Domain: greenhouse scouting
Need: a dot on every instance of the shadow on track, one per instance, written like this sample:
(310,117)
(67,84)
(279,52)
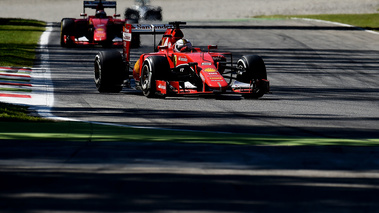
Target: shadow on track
(163,177)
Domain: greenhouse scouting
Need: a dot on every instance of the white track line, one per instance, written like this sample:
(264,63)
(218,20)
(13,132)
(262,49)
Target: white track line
(45,96)
(336,23)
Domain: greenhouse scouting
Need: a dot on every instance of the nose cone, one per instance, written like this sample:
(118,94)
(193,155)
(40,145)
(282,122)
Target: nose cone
(213,79)
(100,33)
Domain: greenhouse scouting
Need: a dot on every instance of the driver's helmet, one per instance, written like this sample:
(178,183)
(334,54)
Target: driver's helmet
(182,45)
(101,14)
(176,34)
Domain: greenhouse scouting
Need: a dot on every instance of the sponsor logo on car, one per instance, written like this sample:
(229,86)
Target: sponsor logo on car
(127,36)
(181,58)
(210,70)
(160,86)
(143,27)
(215,78)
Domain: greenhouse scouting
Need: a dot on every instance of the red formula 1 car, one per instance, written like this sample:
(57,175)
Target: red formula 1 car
(177,68)
(90,30)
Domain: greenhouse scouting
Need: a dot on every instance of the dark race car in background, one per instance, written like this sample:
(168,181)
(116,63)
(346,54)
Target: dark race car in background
(143,11)
(170,71)
(94,29)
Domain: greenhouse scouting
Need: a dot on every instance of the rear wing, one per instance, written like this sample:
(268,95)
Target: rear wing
(93,4)
(150,28)
(131,30)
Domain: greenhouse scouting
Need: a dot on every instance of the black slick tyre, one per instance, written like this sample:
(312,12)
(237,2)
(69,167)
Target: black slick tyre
(67,29)
(109,68)
(153,68)
(253,70)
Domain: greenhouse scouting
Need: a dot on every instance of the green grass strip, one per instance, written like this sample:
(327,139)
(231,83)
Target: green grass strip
(14,80)
(87,132)
(15,90)
(366,21)
(18,41)
(15,113)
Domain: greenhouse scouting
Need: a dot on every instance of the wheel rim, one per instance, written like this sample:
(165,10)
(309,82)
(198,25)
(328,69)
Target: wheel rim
(241,65)
(145,78)
(97,72)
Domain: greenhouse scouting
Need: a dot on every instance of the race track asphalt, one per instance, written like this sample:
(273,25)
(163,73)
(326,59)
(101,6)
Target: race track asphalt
(324,83)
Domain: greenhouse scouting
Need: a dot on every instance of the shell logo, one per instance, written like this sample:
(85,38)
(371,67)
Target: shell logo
(210,70)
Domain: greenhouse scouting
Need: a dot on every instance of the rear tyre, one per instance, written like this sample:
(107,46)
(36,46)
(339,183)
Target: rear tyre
(254,70)
(109,68)
(153,68)
(67,29)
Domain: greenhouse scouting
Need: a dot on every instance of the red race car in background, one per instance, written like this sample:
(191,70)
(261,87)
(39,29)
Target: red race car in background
(177,68)
(96,29)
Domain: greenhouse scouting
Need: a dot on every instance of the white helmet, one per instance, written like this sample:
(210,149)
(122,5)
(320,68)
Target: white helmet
(182,45)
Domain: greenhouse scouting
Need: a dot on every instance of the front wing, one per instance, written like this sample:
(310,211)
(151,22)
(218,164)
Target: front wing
(175,88)
(84,41)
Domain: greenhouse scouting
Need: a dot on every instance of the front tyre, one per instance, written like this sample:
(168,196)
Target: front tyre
(253,72)
(153,68)
(109,68)
(67,29)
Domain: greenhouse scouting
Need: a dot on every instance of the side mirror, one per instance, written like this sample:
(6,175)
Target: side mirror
(116,15)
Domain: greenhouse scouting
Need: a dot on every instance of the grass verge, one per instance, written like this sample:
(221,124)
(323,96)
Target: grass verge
(15,113)
(366,21)
(18,41)
(88,132)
